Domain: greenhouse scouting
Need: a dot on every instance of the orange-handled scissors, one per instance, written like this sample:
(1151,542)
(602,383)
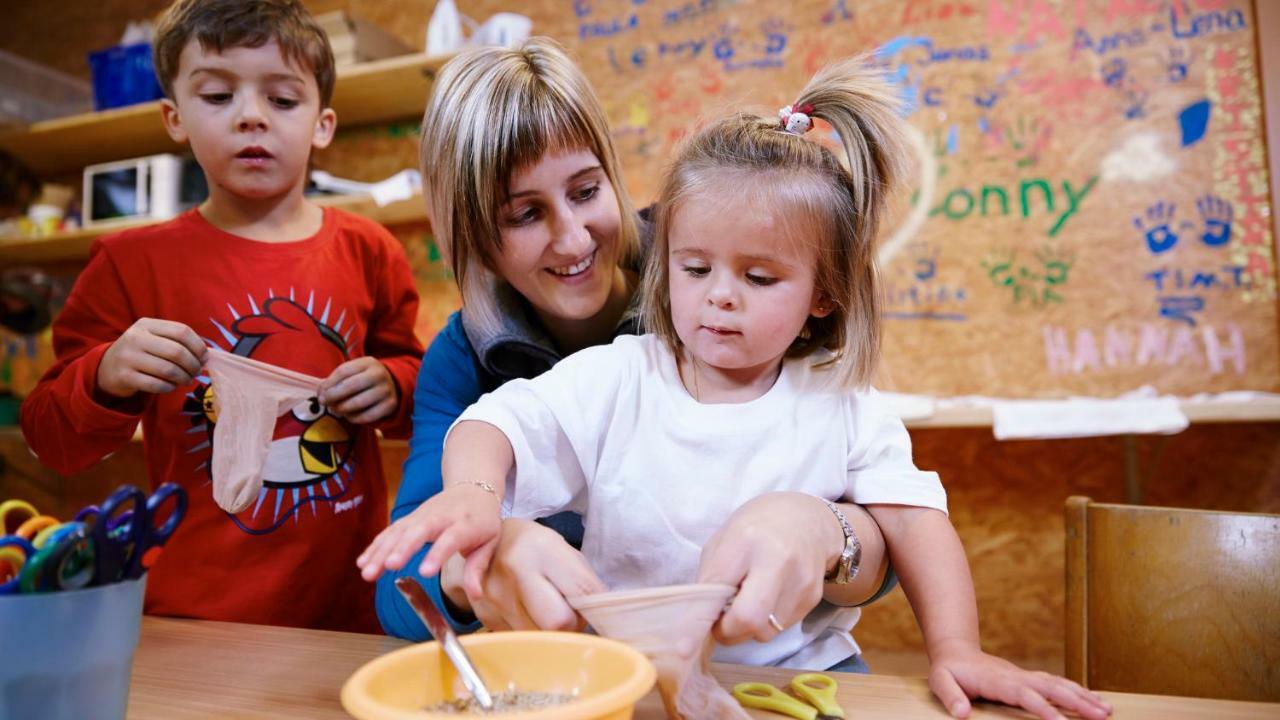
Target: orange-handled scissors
(817,690)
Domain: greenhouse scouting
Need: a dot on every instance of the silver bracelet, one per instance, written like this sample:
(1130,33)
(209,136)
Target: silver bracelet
(478,483)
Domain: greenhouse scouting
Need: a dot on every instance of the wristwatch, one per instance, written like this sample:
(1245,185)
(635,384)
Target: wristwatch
(846,568)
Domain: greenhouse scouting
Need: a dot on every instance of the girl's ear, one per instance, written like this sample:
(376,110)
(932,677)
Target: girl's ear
(822,305)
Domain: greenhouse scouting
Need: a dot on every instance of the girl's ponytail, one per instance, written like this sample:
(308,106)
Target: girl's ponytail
(865,111)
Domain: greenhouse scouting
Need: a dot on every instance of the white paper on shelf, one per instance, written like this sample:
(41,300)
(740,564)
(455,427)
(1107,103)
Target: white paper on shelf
(401,186)
(1139,412)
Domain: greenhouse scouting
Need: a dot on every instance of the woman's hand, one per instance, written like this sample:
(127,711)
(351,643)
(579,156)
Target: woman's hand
(960,671)
(532,572)
(776,550)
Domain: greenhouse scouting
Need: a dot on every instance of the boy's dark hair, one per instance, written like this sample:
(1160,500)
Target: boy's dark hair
(222,24)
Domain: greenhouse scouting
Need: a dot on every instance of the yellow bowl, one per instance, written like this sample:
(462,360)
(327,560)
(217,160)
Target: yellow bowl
(605,677)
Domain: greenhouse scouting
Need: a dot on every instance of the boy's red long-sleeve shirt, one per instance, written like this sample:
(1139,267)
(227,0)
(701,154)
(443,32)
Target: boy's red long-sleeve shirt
(308,306)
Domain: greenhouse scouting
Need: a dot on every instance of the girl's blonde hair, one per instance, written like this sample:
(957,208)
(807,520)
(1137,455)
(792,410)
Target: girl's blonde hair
(841,206)
(493,111)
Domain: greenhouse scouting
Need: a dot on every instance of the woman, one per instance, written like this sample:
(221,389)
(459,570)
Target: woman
(526,199)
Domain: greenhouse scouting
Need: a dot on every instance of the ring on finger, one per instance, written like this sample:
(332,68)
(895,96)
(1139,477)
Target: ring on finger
(773,620)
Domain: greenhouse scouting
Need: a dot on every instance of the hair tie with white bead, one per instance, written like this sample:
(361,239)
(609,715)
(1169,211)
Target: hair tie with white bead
(796,120)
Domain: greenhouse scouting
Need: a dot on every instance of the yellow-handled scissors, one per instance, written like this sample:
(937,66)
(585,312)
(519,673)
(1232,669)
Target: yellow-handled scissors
(817,690)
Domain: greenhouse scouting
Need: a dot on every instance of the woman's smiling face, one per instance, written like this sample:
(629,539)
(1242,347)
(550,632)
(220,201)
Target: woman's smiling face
(560,236)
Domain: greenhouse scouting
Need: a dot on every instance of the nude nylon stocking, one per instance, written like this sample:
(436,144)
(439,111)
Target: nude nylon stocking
(672,627)
(250,395)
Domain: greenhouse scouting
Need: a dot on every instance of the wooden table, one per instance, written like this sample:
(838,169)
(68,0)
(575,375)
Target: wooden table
(197,669)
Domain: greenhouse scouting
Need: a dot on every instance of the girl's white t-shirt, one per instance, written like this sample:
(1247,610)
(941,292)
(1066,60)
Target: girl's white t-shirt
(610,432)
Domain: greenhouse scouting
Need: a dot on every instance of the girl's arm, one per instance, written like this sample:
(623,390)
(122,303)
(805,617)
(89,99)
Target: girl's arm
(930,562)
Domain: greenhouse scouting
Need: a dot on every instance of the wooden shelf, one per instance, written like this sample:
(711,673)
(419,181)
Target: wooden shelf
(1266,409)
(369,92)
(74,246)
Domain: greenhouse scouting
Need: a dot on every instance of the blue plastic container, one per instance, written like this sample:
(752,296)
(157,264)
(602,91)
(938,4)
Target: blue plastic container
(123,75)
(69,654)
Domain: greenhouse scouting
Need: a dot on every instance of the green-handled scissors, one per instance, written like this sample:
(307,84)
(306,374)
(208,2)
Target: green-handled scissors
(817,690)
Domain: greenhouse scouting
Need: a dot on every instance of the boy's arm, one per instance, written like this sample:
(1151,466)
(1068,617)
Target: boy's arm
(67,422)
(391,338)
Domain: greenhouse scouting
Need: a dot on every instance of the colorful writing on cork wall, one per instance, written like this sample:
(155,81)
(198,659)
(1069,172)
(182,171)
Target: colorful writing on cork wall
(1090,209)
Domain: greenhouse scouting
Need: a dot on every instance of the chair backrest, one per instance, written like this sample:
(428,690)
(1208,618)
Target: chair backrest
(1173,602)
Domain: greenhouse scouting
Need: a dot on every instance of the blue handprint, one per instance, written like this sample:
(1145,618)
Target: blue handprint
(1178,64)
(1217,214)
(1159,236)
(1113,72)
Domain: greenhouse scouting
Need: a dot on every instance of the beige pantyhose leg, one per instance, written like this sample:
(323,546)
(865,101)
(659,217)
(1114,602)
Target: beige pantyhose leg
(250,395)
(672,627)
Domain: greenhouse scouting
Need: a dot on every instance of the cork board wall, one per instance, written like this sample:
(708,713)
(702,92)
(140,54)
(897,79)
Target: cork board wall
(1090,211)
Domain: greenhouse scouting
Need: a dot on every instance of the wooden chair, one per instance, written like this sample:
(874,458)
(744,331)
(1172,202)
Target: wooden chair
(1173,602)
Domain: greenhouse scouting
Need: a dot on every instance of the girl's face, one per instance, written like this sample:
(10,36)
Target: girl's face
(560,242)
(742,281)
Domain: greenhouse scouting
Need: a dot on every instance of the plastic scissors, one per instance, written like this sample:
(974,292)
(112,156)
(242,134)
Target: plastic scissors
(63,561)
(14,552)
(13,513)
(125,547)
(818,692)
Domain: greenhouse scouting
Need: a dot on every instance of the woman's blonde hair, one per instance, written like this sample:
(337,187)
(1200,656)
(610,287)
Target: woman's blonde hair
(841,206)
(493,111)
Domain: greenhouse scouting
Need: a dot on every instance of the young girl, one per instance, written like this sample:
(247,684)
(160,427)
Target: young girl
(752,391)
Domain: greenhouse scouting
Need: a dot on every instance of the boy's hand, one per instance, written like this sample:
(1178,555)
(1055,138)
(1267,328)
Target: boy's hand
(960,672)
(360,390)
(152,356)
(462,519)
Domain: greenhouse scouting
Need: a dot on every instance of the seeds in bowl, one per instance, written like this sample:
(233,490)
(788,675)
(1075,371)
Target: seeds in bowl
(507,701)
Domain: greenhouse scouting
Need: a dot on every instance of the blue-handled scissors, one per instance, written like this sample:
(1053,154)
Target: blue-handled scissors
(14,553)
(158,534)
(126,547)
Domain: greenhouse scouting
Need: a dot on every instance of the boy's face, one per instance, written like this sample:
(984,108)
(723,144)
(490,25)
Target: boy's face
(251,116)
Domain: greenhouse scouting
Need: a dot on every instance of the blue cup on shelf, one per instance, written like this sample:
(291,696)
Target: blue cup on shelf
(69,654)
(123,75)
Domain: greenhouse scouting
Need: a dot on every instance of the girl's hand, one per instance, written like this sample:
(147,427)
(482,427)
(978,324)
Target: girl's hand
(960,672)
(775,549)
(532,573)
(360,390)
(461,519)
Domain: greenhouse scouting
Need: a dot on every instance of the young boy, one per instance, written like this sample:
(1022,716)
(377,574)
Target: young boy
(259,271)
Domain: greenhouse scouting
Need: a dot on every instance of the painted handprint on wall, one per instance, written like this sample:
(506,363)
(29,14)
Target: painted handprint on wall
(1217,214)
(1157,229)
(1038,281)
